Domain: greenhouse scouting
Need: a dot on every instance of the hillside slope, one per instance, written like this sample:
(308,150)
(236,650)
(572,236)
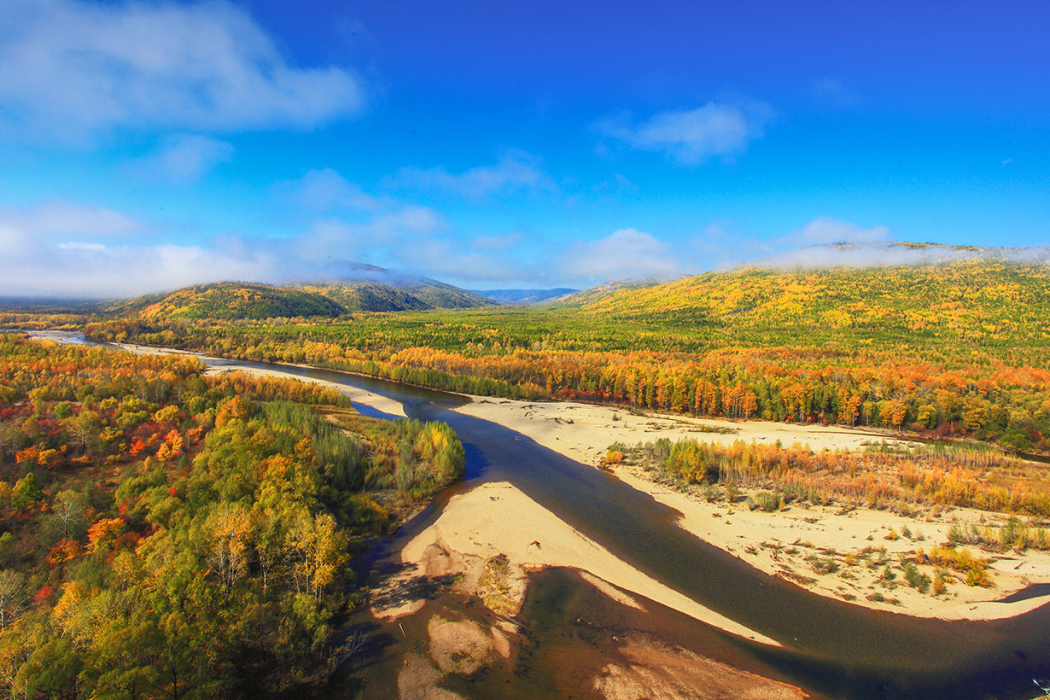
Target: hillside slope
(988,298)
(366,296)
(434,294)
(229,301)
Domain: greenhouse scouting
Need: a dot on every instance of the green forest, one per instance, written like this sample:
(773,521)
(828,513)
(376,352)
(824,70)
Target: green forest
(168,533)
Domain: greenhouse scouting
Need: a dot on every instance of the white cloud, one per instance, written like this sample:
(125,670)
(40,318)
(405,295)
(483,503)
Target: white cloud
(20,228)
(623,254)
(501,242)
(348,224)
(725,245)
(327,190)
(445,257)
(64,250)
(691,137)
(515,171)
(863,254)
(184,158)
(72,69)
(822,230)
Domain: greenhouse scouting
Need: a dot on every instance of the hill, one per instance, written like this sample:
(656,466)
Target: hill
(366,296)
(986,295)
(229,301)
(434,294)
(525,296)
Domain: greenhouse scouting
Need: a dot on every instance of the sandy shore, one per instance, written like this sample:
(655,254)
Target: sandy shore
(854,556)
(471,540)
(842,555)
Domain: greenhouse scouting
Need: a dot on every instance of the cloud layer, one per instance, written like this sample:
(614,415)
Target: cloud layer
(515,171)
(183,158)
(64,250)
(60,249)
(690,137)
(623,254)
(823,230)
(75,69)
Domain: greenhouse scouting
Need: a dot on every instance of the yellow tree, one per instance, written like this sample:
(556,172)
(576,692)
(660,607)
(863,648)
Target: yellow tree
(318,549)
(228,530)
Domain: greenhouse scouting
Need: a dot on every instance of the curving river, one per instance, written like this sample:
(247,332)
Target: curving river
(837,649)
(831,647)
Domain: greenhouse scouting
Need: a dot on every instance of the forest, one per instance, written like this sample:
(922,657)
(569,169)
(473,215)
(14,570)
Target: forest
(168,533)
(952,351)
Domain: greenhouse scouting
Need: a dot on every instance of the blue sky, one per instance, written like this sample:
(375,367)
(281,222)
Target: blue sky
(150,145)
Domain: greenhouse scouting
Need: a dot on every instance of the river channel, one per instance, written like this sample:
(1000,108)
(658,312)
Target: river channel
(830,647)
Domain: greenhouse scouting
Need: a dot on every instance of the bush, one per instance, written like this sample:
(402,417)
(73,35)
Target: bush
(915,579)
(766,501)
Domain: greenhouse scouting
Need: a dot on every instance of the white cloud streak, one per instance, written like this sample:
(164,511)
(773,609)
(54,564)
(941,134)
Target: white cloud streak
(71,69)
(183,158)
(516,171)
(691,137)
(832,92)
(326,190)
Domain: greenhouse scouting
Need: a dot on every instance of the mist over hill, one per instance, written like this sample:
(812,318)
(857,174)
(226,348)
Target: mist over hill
(373,285)
(228,301)
(891,253)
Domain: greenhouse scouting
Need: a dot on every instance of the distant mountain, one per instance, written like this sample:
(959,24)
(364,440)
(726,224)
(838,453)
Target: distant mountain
(229,301)
(431,292)
(366,296)
(524,296)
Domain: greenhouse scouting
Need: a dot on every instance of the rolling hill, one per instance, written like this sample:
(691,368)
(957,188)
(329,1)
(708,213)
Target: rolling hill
(229,301)
(366,296)
(434,294)
(991,295)
(368,288)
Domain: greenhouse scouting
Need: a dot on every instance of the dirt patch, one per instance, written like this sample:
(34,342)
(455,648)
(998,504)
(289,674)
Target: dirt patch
(659,671)
(459,647)
(417,680)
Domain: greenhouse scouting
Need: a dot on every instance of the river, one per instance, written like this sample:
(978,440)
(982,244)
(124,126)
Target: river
(831,647)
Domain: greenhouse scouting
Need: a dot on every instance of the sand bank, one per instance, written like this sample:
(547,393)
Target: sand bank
(489,537)
(831,552)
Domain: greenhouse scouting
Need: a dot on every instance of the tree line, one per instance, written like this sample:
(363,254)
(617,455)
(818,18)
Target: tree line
(996,402)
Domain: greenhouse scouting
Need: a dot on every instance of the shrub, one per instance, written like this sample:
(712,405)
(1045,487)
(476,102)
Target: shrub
(766,501)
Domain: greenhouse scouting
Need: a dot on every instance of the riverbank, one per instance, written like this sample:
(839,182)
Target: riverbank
(471,541)
(854,555)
